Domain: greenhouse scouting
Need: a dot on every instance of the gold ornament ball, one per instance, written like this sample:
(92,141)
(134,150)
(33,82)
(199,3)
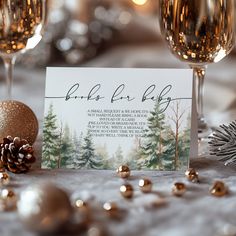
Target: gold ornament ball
(219,189)
(145,185)
(17,120)
(44,208)
(179,189)
(192,175)
(126,190)
(123,171)
(4,178)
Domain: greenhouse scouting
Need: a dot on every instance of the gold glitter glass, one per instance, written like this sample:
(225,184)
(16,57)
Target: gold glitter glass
(21,28)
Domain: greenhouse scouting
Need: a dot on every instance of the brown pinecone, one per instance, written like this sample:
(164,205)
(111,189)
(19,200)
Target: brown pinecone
(16,155)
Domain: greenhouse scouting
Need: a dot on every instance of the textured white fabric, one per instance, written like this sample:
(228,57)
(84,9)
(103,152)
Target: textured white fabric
(197,213)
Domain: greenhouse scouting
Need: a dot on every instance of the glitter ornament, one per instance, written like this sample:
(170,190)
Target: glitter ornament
(123,171)
(179,189)
(145,185)
(219,189)
(44,208)
(126,191)
(17,120)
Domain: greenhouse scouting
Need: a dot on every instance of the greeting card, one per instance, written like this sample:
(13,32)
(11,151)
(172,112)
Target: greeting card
(99,118)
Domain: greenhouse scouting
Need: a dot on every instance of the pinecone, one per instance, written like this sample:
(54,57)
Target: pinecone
(16,155)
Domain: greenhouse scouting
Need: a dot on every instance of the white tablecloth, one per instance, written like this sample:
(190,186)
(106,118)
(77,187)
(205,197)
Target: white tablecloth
(197,213)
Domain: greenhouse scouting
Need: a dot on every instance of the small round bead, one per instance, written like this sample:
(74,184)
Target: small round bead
(126,191)
(123,171)
(145,185)
(179,189)
(219,189)
(192,175)
(111,208)
(8,200)
(4,178)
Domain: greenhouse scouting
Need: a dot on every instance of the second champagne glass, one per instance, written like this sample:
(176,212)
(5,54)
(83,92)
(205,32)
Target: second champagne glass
(198,32)
(21,27)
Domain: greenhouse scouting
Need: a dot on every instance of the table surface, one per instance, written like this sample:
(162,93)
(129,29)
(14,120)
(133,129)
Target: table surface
(196,213)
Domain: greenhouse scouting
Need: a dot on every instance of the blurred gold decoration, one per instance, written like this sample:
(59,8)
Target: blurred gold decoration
(140,2)
(179,189)
(111,208)
(44,208)
(123,171)
(82,214)
(16,155)
(192,175)
(4,178)
(17,120)
(219,189)
(145,185)
(126,190)
(8,200)
(78,31)
(159,203)
(96,230)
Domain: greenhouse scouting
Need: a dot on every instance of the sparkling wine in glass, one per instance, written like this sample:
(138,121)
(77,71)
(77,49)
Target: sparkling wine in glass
(21,28)
(198,32)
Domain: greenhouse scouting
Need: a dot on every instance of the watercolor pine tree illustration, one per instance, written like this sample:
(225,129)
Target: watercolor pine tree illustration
(102,154)
(75,161)
(89,160)
(51,136)
(65,148)
(165,147)
(151,151)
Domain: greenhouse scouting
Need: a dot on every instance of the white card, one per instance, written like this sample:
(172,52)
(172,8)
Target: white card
(100,118)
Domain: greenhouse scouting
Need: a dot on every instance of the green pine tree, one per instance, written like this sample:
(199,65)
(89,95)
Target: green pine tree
(88,158)
(133,154)
(119,158)
(185,143)
(102,154)
(66,148)
(50,140)
(75,161)
(153,142)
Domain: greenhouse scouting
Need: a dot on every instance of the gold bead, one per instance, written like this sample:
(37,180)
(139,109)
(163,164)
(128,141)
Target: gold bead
(80,204)
(96,230)
(126,191)
(7,194)
(179,189)
(8,200)
(192,175)
(111,208)
(145,185)
(219,189)
(4,178)
(123,171)
(82,214)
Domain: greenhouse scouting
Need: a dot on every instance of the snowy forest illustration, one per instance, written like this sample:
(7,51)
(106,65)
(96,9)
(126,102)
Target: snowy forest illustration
(163,146)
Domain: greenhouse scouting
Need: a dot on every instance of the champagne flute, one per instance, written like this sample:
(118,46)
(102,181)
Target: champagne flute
(21,28)
(198,32)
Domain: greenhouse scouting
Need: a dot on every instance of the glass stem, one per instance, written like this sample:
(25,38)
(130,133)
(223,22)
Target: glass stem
(9,63)
(199,76)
